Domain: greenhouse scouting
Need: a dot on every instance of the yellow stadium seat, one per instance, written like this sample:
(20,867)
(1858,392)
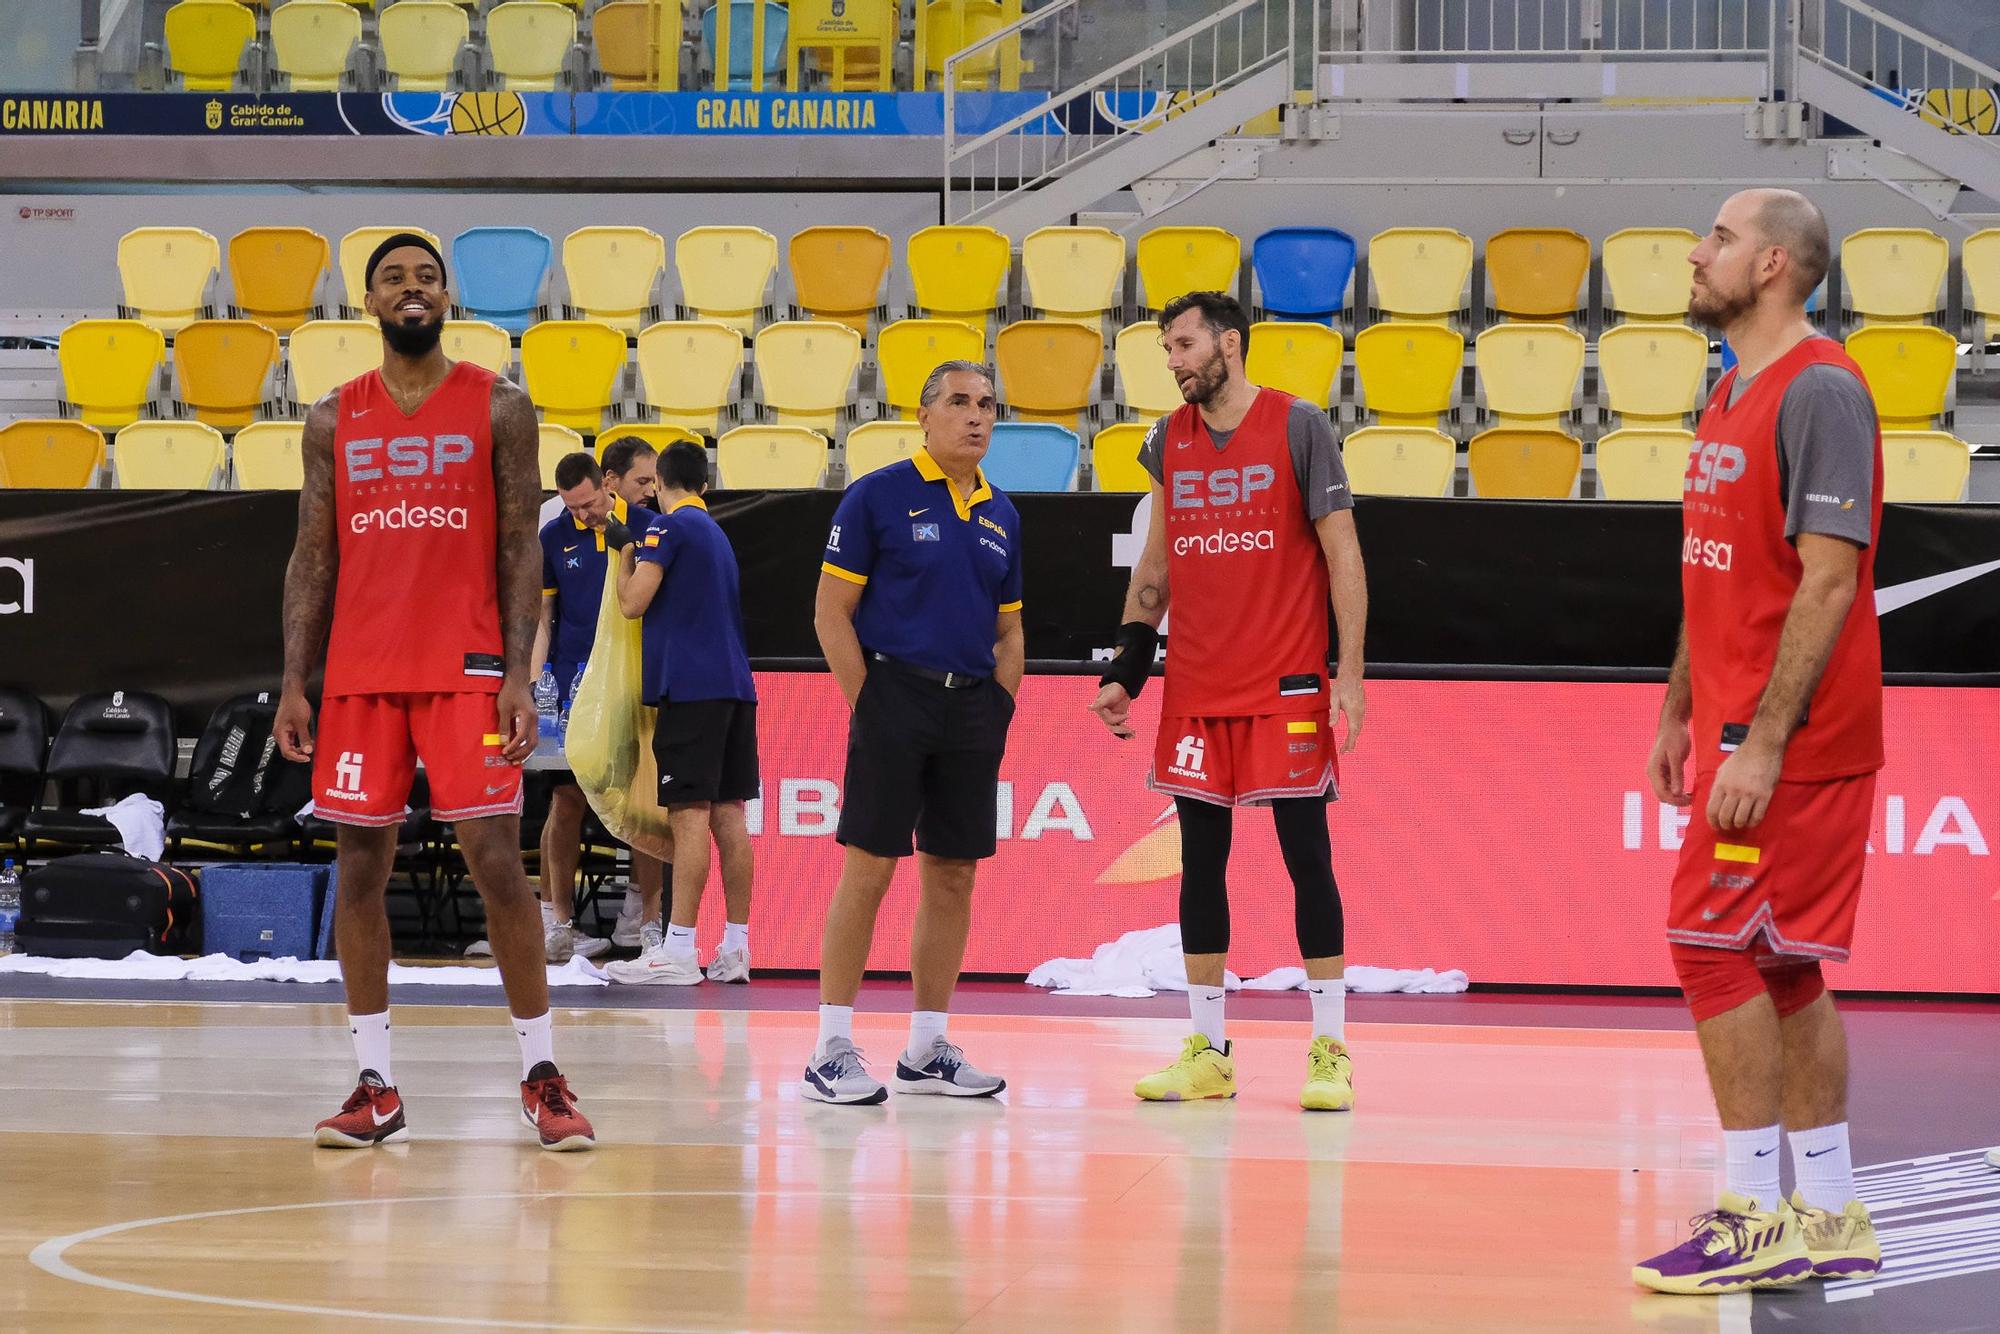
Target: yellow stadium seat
(312,39)
(1114,458)
(1894,275)
(50,455)
(1048,369)
(222,368)
(1924,467)
(1301,359)
(1174,261)
(1643,463)
(657,434)
(556,441)
(1652,374)
(1979,258)
(480,343)
(529,40)
(276,272)
(205,41)
(1646,272)
(1536,273)
(1145,385)
(1399,461)
(1074,273)
(167,456)
(325,354)
(612,271)
(960,273)
(165,272)
(873,445)
(622,35)
(572,370)
(1529,372)
(109,369)
(838,271)
(1909,369)
(1408,372)
(267,456)
(764,458)
(725,273)
(1419,273)
(690,370)
(1514,463)
(359,244)
(909,350)
(421,40)
(805,369)
(948,26)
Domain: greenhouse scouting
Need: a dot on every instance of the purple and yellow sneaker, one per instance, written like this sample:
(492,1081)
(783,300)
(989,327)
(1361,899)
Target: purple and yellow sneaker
(1736,1246)
(1842,1245)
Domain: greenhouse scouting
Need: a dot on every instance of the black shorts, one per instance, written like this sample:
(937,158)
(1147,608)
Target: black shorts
(924,759)
(707,751)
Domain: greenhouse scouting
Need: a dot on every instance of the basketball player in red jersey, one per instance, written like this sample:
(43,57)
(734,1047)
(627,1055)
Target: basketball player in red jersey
(1776,698)
(417,554)
(1252,531)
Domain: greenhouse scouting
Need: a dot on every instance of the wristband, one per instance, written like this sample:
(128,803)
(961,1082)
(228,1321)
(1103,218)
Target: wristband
(1137,642)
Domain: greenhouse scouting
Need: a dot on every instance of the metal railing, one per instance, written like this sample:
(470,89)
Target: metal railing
(1947,88)
(1096,112)
(1476,29)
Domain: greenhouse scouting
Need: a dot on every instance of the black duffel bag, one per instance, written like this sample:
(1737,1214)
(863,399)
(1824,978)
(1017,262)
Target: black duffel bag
(104,905)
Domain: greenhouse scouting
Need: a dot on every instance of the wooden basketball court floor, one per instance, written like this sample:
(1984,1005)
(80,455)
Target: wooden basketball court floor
(1496,1176)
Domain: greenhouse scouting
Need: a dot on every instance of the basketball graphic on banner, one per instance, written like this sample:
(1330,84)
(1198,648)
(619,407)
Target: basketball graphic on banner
(1962,110)
(488,113)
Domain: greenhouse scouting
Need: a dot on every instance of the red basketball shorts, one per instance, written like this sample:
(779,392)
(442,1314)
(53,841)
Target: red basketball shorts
(366,753)
(1246,761)
(1795,877)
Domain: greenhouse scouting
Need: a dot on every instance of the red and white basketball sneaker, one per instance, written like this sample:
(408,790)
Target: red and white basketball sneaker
(546,1105)
(372,1114)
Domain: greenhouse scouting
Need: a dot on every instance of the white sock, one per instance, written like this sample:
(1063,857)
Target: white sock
(926,1027)
(633,905)
(835,1021)
(1205,1008)
(1329,1002)
(371,1044)
(538,1041)
(735,937)
(1823,1166)
(548,915)
(680,941)
(1750,1165)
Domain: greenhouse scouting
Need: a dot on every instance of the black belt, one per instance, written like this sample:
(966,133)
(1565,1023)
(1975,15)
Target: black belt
(949,680)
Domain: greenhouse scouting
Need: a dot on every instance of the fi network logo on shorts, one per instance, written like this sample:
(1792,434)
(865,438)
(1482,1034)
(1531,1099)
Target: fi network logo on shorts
(21,603)
(347,776)
(1189,754)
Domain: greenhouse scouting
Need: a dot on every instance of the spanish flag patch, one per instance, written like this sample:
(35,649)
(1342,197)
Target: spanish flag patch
(1736,852)
(492,739)
(1305,726)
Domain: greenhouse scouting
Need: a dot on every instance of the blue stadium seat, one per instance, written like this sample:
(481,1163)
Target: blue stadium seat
(1302,272)
(1031,456)
(498,273)
(777,23)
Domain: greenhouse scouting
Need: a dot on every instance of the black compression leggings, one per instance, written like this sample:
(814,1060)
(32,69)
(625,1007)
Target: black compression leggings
(1308,852)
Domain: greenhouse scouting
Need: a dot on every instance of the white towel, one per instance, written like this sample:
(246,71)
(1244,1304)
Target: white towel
(142,967)
(141,823)
(1140,963)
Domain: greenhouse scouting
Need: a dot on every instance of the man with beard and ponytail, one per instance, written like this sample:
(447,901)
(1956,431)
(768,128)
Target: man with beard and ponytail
(1253,534)
(414,570)
(1775,697)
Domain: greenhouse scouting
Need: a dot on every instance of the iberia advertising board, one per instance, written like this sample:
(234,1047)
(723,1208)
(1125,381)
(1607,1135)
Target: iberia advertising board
(1498,827)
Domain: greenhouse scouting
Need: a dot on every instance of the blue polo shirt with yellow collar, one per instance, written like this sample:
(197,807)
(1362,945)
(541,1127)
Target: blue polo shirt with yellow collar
(573,563)
(691,640)
(936,569)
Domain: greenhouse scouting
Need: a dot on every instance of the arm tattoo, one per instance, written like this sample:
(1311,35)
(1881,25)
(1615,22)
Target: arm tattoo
(1149,597)
(314,570)
(517,485)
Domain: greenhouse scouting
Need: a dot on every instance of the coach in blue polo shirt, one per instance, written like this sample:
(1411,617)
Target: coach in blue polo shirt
(919,615)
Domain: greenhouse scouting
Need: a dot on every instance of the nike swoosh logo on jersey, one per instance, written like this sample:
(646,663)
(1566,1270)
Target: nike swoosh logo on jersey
(1897,596)
(567,550)
(915,513)
(1299,773)
(496,791)
(380,1119)
(359,413)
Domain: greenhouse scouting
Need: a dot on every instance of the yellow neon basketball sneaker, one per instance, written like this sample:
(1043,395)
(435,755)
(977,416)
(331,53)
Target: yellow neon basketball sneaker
(1201,1072)
(1329,1078)
(1842,1245)
(1735,1246)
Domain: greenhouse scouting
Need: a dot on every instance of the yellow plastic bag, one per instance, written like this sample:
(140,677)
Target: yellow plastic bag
(610,741)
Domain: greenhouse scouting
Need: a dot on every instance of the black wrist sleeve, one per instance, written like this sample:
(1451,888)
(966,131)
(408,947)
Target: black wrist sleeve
(1137,642)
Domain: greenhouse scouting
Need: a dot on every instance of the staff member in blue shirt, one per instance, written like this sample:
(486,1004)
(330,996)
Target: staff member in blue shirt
(919,615)
(680,577)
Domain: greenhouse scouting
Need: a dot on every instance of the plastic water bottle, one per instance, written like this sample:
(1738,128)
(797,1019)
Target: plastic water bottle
(546,717)
(570,702)
(10,905)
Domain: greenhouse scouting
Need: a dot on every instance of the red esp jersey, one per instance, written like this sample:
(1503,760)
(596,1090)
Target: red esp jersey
(416,608)
(1246,574)
(1738,577)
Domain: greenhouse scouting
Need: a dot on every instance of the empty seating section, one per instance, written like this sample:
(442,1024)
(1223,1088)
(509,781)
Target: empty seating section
(636,352)
(556,441)
(529,40)
(621,37)
(206,40)
(657,434)
(742,40)
(312,40)
(421,41)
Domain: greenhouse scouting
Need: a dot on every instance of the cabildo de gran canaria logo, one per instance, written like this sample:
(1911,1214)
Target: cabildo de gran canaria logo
(211,115)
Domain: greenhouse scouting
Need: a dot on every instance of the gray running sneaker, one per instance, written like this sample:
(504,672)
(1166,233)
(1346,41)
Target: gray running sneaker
(730,966)
(946,1071)
(838,1074)
(562,940)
